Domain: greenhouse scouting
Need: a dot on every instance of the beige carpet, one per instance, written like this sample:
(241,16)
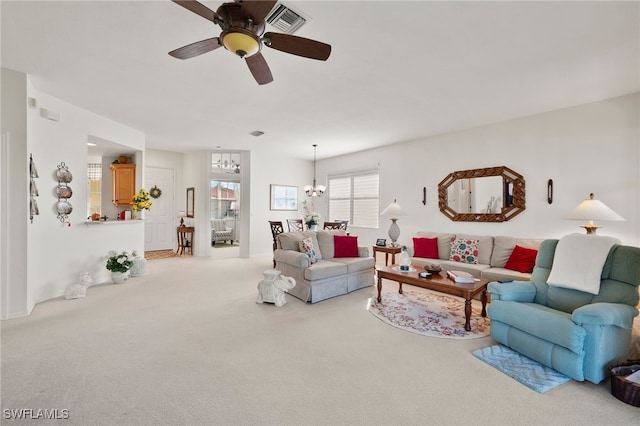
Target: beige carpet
(186,344)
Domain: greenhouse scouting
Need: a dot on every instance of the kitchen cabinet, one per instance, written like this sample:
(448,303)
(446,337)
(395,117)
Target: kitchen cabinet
(123,180)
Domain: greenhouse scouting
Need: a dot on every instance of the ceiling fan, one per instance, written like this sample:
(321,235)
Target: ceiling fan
(243,25)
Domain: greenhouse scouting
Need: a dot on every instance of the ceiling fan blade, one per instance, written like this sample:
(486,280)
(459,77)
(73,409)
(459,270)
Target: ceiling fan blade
(298,46)
(197,8)
(197,48)
(259,68)
(257,10)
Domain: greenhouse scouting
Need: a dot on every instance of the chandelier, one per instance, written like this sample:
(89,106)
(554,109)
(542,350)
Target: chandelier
(314,190)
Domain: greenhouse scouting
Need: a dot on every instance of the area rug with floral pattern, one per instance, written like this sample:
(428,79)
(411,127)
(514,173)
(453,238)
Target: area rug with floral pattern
(428,313)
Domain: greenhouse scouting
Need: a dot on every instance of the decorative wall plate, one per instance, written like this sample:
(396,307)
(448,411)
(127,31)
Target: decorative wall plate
(63,174)
(64,207)
(64,191)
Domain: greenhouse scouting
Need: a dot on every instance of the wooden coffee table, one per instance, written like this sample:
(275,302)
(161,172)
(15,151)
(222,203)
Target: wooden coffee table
(440,283)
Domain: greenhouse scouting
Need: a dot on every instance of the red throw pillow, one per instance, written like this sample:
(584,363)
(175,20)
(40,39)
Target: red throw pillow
(425,247)
(522,259)
(345,246)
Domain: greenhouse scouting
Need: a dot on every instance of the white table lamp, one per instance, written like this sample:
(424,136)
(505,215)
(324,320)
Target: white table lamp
(393,211)
(591,210)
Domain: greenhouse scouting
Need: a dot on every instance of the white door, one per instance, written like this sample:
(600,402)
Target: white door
(159,229)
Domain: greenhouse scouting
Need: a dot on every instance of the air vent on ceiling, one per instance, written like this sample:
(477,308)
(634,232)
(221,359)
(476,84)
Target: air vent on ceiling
(285,19)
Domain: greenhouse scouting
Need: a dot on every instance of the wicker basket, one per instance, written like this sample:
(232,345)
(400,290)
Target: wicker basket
(623,389)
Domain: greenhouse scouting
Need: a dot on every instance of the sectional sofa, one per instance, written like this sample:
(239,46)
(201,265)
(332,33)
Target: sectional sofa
(333,271)
(492,254)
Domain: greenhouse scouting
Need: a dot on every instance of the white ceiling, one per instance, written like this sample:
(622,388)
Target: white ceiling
(398,71)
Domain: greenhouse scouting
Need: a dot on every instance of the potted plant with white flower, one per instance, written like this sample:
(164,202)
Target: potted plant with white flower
(119,264)
(311,218)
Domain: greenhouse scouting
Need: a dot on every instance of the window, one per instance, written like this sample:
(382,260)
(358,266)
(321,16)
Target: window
(354,196)
(94,172)
(225,162)
(225,196)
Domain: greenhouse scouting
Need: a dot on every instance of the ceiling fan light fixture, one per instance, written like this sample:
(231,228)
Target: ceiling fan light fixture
(242,43)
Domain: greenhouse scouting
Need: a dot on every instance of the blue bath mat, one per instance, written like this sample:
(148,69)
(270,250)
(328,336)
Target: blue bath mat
(525,370)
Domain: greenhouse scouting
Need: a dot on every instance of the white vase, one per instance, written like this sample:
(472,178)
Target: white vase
(119,277)
(139,266)
(313,227)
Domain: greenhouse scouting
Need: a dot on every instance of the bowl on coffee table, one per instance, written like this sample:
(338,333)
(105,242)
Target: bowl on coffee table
(434,269)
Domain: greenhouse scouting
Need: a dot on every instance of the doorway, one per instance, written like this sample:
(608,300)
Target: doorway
(225,217)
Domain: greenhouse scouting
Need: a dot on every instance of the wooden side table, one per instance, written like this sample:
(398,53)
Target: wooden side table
(185,244)
(387,250)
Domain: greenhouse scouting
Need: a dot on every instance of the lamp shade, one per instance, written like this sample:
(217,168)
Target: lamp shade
(393,210)
(592,209)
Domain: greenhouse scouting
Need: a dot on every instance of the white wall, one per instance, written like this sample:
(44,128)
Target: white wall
(269,167)
(15,190)
(55,254)
(588,148)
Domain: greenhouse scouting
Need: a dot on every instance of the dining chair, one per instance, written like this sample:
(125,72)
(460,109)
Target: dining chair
(295,225)
(332,225)
(336,224)
(276,228)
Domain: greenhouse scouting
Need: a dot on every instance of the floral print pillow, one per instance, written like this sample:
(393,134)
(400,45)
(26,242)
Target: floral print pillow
(307,247)
(464,250)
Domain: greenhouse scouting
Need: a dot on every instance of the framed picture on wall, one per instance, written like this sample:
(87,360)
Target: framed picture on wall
(190,202)
(284,197)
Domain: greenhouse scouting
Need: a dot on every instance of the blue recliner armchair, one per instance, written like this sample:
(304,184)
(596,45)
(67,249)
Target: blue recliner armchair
(576,333)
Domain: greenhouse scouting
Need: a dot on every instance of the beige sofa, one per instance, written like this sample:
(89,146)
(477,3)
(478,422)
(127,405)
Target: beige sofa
(330,276)
(493,253)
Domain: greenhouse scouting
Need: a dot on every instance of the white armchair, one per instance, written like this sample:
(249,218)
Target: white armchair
(220,231)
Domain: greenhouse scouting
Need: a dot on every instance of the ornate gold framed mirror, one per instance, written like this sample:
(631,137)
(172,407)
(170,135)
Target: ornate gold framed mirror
(492,194)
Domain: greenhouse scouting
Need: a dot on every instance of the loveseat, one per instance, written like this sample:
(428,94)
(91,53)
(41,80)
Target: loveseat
(324,268)
(578,333)
(487,259)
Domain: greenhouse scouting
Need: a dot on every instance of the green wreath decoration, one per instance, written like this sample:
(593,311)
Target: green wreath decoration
(155,192)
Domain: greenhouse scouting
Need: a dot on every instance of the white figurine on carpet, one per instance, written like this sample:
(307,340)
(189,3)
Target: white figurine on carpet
(78,289)
(271,289)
